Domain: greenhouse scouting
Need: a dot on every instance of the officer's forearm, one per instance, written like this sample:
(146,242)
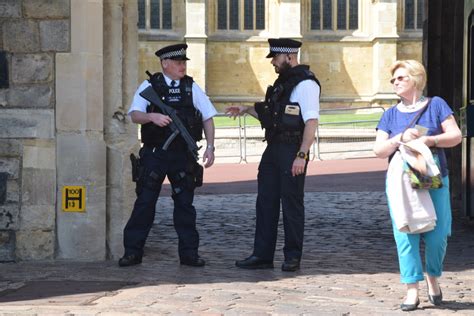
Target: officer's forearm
(308,134)
(140,117)
(251,110)
(208,126)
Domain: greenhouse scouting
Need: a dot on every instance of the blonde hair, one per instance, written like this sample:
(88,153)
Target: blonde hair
(416,71)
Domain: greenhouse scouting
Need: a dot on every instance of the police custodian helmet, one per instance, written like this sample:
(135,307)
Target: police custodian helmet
(283,46)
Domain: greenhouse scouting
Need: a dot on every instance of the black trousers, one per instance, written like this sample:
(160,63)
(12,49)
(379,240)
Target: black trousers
(277,185)
(158,164)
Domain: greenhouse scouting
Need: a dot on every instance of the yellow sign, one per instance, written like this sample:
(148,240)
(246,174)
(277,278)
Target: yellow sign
(74,199)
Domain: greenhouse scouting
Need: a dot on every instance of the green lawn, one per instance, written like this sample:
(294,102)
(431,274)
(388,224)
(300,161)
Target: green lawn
(230,122)
(332,119)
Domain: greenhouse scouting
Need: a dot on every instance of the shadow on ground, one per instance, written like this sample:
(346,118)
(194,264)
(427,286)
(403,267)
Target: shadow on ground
(342,182)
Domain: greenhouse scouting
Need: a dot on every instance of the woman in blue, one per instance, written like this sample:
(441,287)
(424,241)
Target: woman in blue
(435,128)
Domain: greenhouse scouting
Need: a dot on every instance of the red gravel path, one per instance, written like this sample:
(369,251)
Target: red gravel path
(348,175)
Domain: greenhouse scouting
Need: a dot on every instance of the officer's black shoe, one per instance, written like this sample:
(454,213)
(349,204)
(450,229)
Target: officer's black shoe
(129,260)
(193,261)
(254,262)
(291,265)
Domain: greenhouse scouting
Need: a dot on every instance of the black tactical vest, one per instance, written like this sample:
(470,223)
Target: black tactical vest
(181,99)
(282,119)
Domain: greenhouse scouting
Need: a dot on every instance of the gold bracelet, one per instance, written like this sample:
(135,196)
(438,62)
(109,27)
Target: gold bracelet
(436,141)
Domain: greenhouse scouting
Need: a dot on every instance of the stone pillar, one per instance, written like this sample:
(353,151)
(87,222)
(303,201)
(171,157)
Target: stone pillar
(384,18)
(81,151)
(196,39)
(290,19)
(120,82)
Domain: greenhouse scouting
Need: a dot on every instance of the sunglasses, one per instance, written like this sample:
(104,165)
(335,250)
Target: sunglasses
(399,78)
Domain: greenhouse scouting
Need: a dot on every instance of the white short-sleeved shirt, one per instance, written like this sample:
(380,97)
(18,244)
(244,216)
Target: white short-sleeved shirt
(200,100)
(306,93)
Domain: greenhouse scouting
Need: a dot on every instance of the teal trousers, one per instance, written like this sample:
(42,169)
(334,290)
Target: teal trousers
(435,241)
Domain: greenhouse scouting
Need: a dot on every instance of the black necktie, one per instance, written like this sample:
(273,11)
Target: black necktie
(173,83)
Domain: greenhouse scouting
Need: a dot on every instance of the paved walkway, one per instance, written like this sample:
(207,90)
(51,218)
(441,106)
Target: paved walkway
(349,265)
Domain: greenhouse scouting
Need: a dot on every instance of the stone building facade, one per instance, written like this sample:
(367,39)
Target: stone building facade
(69,71)
(350,45)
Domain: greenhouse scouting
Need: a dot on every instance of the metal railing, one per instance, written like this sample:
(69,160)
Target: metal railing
(346,136)
(335,137)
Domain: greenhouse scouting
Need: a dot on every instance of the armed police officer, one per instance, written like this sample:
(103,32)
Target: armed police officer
(165,154)
(289,116)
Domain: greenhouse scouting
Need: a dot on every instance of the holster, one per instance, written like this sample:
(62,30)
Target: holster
(189,179)
(264,114)
(198,175)
(195,175)
(138,173)
(135,167)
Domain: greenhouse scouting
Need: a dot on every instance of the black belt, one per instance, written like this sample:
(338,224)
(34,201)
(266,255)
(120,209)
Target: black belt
(176,145)
(288,137)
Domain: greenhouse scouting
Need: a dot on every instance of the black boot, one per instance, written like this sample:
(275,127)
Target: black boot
(129,260)
(254,262)
(193,261)
(291,265)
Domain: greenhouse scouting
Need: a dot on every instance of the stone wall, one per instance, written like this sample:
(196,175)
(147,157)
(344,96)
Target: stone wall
(32,32)
(410,50)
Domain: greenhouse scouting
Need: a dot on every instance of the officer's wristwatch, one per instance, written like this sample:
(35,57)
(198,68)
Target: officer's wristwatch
(211,147)
(302,155)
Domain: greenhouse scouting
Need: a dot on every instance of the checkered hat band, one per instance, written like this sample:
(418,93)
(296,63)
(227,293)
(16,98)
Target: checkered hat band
(284,50)
(181,52)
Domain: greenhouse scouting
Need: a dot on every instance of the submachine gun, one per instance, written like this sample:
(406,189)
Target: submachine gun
(176,126)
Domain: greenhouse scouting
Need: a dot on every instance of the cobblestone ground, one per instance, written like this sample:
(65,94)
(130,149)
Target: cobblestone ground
(349,267)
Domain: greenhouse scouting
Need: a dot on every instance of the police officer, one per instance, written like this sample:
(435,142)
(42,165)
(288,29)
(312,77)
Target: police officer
(289,116)
(195,111)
